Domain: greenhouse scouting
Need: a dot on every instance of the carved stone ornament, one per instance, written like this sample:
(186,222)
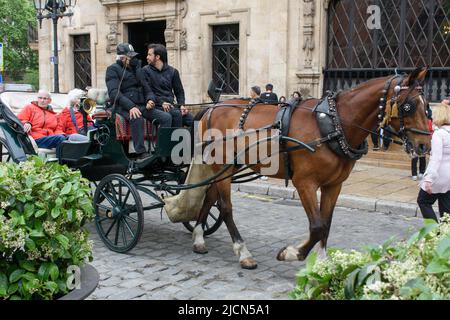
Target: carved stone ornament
(170,23)
(170,37)
(309,11)
(183,40)
(111,38)
(183,9)
(309,8)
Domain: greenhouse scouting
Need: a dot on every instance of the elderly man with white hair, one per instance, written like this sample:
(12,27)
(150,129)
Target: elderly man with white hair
(70,119)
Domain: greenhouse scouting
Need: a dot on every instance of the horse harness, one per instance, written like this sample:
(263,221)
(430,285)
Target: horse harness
(330,125)
(389,110)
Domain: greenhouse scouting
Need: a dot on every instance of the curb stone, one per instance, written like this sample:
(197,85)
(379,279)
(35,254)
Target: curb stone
(345,201)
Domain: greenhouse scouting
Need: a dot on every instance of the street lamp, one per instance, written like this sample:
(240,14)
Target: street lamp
(53,9)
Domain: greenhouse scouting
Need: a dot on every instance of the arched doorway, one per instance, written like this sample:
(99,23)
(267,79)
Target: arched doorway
(412,33)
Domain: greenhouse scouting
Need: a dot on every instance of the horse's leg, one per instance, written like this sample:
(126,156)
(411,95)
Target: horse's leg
(328,199)
(246,259)
(308,196)
(197,235)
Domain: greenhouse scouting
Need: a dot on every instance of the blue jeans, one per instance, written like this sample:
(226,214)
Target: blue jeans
(51,142)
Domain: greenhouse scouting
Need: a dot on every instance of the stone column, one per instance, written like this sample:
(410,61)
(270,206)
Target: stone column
(112,38)
(175,34)
(308,74)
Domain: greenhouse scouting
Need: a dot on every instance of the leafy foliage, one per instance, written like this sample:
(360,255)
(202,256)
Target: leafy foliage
(15,17)
(416,269)
(42,210)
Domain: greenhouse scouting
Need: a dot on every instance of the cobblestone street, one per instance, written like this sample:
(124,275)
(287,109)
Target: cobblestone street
(163,266)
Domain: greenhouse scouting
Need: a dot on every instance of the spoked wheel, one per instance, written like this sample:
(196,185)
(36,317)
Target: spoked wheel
(213,222)
(5,154)
(119,216)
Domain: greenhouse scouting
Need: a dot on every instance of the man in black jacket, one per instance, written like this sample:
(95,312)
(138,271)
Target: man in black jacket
(131,96)
(165,82)
(269,96)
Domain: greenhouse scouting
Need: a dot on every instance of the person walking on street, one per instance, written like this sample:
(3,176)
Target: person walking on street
(165,82)
(435,184)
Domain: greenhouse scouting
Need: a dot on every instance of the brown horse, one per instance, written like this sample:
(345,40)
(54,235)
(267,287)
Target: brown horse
(359,110)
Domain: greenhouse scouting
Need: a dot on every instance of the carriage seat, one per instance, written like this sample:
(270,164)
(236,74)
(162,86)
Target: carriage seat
(123,129)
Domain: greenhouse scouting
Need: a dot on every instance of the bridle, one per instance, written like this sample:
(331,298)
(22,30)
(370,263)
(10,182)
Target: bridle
(401,109)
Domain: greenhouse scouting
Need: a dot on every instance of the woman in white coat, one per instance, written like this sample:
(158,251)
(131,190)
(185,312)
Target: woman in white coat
(436,180)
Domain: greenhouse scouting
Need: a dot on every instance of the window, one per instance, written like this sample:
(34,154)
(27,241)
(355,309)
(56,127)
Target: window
(226,58)
(82,61)
(413,33)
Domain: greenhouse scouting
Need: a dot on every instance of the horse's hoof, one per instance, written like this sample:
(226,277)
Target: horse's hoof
(200,249)
(249,264)
(281,254)
(288,254)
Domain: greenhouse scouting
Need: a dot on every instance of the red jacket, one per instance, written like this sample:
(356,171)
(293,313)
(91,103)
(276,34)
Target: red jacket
(44,122)
(66,124)
(430,125)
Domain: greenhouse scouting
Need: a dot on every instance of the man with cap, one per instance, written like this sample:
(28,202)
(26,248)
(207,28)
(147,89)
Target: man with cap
(131,95)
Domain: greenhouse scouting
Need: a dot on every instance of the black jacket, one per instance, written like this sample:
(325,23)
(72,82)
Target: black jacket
(134,91)
(164,84)
(269,97)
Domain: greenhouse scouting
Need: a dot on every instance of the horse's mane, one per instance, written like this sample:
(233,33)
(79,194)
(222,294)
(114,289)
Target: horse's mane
(362,86)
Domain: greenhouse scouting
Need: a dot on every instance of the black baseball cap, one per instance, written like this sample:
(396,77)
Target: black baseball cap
(126,49)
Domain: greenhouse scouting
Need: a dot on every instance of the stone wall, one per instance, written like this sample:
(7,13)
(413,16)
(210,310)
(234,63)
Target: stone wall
(282,42)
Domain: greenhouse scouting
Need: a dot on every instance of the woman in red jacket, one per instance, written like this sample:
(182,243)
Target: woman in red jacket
(70,119)
(40,121)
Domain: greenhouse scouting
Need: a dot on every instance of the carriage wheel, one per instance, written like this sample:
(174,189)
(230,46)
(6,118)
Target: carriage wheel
(213,222)
(119,216)
(5,154)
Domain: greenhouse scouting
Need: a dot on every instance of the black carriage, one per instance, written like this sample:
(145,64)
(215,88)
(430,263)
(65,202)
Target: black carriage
(124,188)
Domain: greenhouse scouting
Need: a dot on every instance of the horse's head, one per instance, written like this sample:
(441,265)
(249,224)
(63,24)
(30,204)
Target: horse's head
(407,112)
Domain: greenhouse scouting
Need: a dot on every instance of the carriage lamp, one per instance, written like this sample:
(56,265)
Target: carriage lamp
(54,9)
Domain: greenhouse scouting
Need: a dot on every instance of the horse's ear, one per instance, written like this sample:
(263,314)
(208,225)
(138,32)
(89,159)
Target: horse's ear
(418,74)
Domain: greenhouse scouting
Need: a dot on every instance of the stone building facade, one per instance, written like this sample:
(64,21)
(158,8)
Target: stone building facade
(241,42)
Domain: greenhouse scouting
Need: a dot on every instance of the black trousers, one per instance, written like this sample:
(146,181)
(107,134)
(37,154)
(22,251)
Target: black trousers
(375,138)
(422,165)
(173,118)
(425,202)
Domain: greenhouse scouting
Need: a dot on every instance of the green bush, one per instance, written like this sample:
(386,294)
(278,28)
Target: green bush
(417,269)
(31,77)
(42,210)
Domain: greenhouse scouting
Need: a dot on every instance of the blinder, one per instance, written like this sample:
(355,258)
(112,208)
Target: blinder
(408,108)
(395,109)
